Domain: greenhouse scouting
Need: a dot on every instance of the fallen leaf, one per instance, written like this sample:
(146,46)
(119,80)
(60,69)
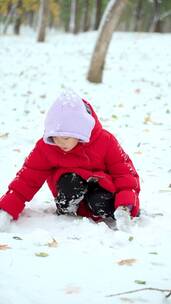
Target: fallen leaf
(120,105)
(137,91)
(147,119)
(156,264)
(73,238)
(128,262)
(54,243)
(26,111)
(114,116)
(141,282)
(138,152)
(41,254)
(17,150)
(29,92)
(17,238)
(4,247)
(4,135)
(130,238)
(165,190)
(157,214)
(127,300)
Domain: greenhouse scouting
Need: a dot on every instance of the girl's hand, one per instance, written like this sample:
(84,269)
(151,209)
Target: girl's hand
(123,218)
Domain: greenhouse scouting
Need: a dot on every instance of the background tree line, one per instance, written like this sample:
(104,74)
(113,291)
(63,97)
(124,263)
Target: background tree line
(84,15)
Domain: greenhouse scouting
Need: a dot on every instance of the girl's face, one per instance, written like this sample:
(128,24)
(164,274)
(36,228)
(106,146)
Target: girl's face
(65,143)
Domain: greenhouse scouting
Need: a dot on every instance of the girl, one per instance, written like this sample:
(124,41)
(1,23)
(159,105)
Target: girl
(86,169)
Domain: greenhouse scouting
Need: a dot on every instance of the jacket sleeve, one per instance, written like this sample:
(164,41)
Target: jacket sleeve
(27,182)
(124,176)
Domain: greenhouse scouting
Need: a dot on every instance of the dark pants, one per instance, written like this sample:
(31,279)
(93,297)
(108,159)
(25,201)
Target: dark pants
(72,189)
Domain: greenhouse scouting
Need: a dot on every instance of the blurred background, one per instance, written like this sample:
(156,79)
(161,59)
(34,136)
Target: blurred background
(84,15)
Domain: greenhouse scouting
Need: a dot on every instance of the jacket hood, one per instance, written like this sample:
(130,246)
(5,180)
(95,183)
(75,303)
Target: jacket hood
(70,116)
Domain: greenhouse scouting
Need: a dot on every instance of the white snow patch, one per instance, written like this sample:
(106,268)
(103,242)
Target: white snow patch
(133,102)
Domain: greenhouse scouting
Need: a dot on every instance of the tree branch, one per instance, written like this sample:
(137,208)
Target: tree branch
(141,289)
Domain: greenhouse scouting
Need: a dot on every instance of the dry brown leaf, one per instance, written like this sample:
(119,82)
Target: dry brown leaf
(17,150)
(147,119)
(41,254)
(54,243)
(4,247)
(138,152)
(4,135)
(137,91)
(128,262)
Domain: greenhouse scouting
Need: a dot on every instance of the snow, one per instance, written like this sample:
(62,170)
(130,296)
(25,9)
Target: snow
(80,262)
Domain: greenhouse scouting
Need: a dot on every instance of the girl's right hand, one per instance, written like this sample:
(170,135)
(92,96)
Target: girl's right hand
(123,218)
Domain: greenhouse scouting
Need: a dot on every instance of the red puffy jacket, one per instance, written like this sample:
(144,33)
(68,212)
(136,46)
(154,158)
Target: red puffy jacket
(102,158)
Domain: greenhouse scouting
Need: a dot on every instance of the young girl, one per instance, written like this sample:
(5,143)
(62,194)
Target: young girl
(86,169)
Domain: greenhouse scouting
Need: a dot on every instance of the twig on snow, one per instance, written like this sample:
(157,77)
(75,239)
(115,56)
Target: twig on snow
(141,289)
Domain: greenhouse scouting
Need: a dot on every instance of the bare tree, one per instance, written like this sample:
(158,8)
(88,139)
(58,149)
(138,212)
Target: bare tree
(86,15)
(108,24)
(156,25)
(138,15)
(74,22)
(11,12)
(42,20)
(18,17)
(98,13)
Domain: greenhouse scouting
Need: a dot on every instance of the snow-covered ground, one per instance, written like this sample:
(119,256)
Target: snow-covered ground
(84,262)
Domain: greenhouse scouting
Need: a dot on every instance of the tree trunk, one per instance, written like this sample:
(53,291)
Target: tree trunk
(9,17)
(74,20)
(156,23)
(42,20)
(108,24)
(18,16)
(138,16)
(17,26)
(31,18)
(65,9)
(98,13)
(86,16)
